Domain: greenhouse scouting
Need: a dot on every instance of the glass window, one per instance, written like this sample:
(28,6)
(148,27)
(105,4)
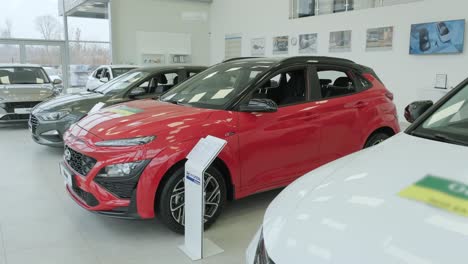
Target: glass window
(334,83)
(343,5)
(9,53)
(305,8)
(116,72)
(450,121)
(286,88)
(122,83)
(217,86)
(23,75)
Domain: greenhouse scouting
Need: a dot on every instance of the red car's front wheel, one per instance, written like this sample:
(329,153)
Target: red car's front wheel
(171,202)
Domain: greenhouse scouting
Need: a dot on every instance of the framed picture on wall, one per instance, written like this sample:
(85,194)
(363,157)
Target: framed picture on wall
(379,38)
(257,47)
(281,45)
(340,41)
(443,37)
(232,46)
(308,43)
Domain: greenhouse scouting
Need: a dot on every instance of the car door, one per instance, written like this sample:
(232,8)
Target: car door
(276,148)
(340,106)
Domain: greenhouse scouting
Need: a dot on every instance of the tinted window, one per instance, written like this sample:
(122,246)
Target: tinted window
(23,75)
(335,83)
(285,88)
(122,83)
(119,71)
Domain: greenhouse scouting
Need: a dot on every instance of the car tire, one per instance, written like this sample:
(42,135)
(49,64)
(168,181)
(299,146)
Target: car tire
(170,208)
(376,139)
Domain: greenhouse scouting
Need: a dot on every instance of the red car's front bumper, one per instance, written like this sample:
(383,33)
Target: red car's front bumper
(93,197)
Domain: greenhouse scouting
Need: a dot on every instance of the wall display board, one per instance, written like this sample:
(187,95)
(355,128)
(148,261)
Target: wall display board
(257,47)
(155,47)
(308,43)
(232,46)
(281,45)
(150,59)
(379,38)
(444,37)
(340,41)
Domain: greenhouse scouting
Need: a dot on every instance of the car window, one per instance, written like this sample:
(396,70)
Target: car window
(216,87)
(334,83)
(98,73)
(285,88)
(160,83)
(106,74)
(190,74)
(23,75)
(116,72)
(123,83)
(450,119)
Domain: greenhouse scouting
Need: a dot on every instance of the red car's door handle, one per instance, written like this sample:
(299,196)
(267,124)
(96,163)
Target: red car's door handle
(359,104)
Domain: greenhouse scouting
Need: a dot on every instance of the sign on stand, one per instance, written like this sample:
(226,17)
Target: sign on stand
(199,159)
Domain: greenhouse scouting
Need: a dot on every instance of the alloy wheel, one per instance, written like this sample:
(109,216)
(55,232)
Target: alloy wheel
(212,199)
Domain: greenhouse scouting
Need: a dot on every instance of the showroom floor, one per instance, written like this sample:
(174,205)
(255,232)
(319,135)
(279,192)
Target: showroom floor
(40,224)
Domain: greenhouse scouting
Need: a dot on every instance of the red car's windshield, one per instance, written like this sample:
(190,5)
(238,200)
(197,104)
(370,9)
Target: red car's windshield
(217,86)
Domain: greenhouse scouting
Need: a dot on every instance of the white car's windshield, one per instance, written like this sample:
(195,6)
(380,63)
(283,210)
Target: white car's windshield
(217,86)
(450,121)
(23,75)
(122,83)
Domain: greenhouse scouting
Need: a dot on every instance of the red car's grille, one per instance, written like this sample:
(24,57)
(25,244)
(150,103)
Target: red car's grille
(79,162)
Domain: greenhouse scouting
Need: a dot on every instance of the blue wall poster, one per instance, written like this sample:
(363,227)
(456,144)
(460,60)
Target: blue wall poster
(445,37)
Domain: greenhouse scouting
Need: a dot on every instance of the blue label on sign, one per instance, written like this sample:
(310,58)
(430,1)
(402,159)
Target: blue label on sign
(193,178)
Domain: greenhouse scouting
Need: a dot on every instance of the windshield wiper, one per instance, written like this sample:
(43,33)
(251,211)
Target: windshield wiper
(448,139)
(441,138)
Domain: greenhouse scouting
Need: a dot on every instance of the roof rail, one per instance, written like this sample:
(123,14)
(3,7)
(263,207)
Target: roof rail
(240,58)
(318,59)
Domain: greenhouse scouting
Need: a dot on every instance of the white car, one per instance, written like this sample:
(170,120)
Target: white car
(106,73)
(402,201)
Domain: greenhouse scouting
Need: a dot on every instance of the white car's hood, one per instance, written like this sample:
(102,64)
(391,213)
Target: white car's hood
(349,211)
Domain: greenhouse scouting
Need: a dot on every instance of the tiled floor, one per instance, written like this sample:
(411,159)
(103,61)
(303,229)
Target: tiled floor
(40,224)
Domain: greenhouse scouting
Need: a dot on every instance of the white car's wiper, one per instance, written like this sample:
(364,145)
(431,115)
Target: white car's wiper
(448,139)
(441,138)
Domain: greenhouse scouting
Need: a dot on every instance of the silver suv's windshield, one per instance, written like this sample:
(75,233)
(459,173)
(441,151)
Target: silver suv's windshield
(450,122)
(217,86)
(122,83)
(23,75)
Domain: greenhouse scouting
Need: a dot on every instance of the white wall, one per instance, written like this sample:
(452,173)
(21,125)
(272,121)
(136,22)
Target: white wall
(409,77)
(143,19)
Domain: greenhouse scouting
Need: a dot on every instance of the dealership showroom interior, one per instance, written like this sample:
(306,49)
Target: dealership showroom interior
(233,131)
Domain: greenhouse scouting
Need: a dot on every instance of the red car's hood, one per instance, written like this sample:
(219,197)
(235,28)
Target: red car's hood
(141,118)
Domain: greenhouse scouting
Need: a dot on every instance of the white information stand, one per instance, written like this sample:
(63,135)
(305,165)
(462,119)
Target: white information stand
(198,160)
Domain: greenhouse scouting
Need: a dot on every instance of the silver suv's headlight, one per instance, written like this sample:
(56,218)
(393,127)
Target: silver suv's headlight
(122,170)
(52,116)
(126,142)
(261,255)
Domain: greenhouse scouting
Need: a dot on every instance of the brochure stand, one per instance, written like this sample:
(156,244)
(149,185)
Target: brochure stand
(198,160)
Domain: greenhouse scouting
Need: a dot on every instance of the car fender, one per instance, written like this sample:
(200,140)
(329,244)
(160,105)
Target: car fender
(158,167)
(381,121)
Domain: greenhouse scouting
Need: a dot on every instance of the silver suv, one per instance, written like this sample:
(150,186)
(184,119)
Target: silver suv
(21,88)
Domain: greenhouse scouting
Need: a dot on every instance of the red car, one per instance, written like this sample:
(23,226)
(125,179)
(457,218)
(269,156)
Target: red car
(280,117)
